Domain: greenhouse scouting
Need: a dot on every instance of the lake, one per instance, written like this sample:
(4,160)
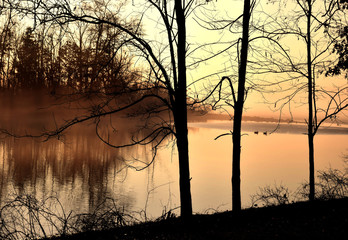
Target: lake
(81,171)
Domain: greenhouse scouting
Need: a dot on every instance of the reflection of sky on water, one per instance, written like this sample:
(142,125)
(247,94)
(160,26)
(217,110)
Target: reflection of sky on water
(82,170)
(266,160)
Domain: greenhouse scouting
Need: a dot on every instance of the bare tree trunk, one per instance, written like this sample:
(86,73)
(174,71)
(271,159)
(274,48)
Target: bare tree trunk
(180,115)
(310,106)
(237,123)
(311,167)
(238,111)
(184,181)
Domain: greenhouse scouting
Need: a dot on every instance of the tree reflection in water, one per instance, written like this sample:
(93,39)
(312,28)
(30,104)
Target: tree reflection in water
(79,168)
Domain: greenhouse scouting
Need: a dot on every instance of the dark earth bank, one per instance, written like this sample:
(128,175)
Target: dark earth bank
(303,220)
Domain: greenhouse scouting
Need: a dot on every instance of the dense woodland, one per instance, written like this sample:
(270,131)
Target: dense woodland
(81,59)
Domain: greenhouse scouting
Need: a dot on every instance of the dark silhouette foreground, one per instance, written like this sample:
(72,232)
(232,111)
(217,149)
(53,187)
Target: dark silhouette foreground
(305,220)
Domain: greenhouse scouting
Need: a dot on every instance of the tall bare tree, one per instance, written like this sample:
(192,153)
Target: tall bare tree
(336,103)
(235,96)
(238,109)
(309,23)
(163,78)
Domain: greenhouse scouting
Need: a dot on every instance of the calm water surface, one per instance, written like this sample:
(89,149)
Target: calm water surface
(82,171)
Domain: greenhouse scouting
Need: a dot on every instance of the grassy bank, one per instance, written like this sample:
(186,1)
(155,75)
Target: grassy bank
(304,220)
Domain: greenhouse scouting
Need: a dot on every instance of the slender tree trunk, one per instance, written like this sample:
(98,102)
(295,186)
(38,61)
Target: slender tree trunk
(236,192)
(180,116)
(311,167)
(184,169)
(238,111)
(310,106)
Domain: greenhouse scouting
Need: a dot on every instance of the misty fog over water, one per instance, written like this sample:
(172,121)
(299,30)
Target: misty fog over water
(274,127)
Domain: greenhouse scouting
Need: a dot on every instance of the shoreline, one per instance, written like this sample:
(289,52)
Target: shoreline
(302,220)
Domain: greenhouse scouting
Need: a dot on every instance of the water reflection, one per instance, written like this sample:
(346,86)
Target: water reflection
(82,171)
(81,167)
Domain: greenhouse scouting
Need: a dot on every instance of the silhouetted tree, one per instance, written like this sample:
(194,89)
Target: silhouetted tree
(235,98)
(310,25)
(238,109)
(27,62)
(339,105)
(162,79)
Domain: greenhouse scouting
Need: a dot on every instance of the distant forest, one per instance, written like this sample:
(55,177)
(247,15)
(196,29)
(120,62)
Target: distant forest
(82,58)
